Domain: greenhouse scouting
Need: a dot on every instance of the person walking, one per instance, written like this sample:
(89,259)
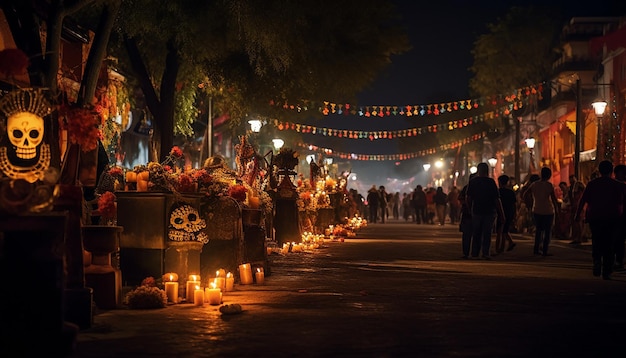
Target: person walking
(509,206)
(603,201)
(620,241)
(484,200)
(395,205)
(527,200)
(574,193)
(454,206)
(441,200)
(373,200)
(406,206)
(383,203)
(430,205)
(545,208)
(419,204)
(465,220)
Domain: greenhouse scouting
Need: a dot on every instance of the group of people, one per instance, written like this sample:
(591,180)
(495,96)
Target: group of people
(600,203)
(483,207)
(422,205)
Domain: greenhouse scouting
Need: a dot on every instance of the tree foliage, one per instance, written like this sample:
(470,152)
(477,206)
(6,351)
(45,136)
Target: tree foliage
(244,53)
(518,51)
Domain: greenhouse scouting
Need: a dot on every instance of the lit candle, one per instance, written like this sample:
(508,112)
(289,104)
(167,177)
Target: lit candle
(285,249)
(198,296)
(192,282)
(230,282)
(220,280)
(213,295)
(171,289)
(260,276)
(245,274)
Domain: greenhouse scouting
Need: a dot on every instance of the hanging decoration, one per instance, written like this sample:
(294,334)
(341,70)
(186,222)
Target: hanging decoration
(385,134)
(399,156)
(516,99)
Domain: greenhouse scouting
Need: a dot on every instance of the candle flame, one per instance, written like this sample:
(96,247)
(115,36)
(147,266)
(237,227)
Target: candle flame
(193,278)
(213,285)
(229,275)
(171,278)
(197,287)
(258,270)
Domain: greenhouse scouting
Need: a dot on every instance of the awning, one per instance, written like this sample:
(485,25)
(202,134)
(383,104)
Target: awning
(570,121)
(588,155)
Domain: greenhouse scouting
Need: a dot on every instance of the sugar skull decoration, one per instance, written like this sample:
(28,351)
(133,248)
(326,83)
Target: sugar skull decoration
(24,154)
(187,225)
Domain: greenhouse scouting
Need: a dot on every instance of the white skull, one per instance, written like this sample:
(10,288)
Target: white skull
(25,131)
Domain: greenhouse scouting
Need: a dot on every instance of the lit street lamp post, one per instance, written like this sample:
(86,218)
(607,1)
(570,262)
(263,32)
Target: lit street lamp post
(530,144)
(599,106)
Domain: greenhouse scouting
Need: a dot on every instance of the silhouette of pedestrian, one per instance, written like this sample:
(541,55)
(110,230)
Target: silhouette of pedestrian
(508,199)
(603,201)
(484,200)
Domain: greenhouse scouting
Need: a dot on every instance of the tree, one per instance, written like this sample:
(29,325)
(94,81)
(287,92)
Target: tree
(518,51)
(247,53)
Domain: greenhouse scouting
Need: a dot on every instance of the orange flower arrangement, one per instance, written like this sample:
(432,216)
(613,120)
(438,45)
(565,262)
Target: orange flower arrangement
(83,126)
(106,205)
(238,192)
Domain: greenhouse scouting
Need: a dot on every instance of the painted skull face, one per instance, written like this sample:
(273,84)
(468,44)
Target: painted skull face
(186,225)
(25,131)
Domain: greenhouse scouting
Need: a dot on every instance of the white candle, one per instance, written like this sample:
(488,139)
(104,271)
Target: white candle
(198,296)
(260,276)
(194,280)
(213,295)
(245,274)
(230,282)
(220,280)
(171,290)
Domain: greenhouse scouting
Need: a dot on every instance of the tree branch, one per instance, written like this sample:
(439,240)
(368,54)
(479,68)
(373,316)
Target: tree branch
(98,52)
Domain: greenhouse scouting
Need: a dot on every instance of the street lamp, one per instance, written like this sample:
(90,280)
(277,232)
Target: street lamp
(426,167)
(255,125)
(530,144)
(278,143)
(492,163)
(599,106)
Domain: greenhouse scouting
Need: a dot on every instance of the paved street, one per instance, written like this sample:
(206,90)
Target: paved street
(395,290)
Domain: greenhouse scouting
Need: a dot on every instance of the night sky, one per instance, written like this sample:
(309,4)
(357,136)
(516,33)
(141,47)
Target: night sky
(436,70)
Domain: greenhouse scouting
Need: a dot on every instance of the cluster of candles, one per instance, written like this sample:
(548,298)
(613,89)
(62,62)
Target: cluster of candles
(356,222)
(212,294)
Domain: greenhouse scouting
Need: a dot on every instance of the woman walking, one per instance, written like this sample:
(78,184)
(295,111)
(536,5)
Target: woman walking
(545,208)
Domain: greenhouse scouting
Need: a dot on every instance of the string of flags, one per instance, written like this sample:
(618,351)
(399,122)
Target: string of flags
(514,100)
(399,156)
(384,134)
